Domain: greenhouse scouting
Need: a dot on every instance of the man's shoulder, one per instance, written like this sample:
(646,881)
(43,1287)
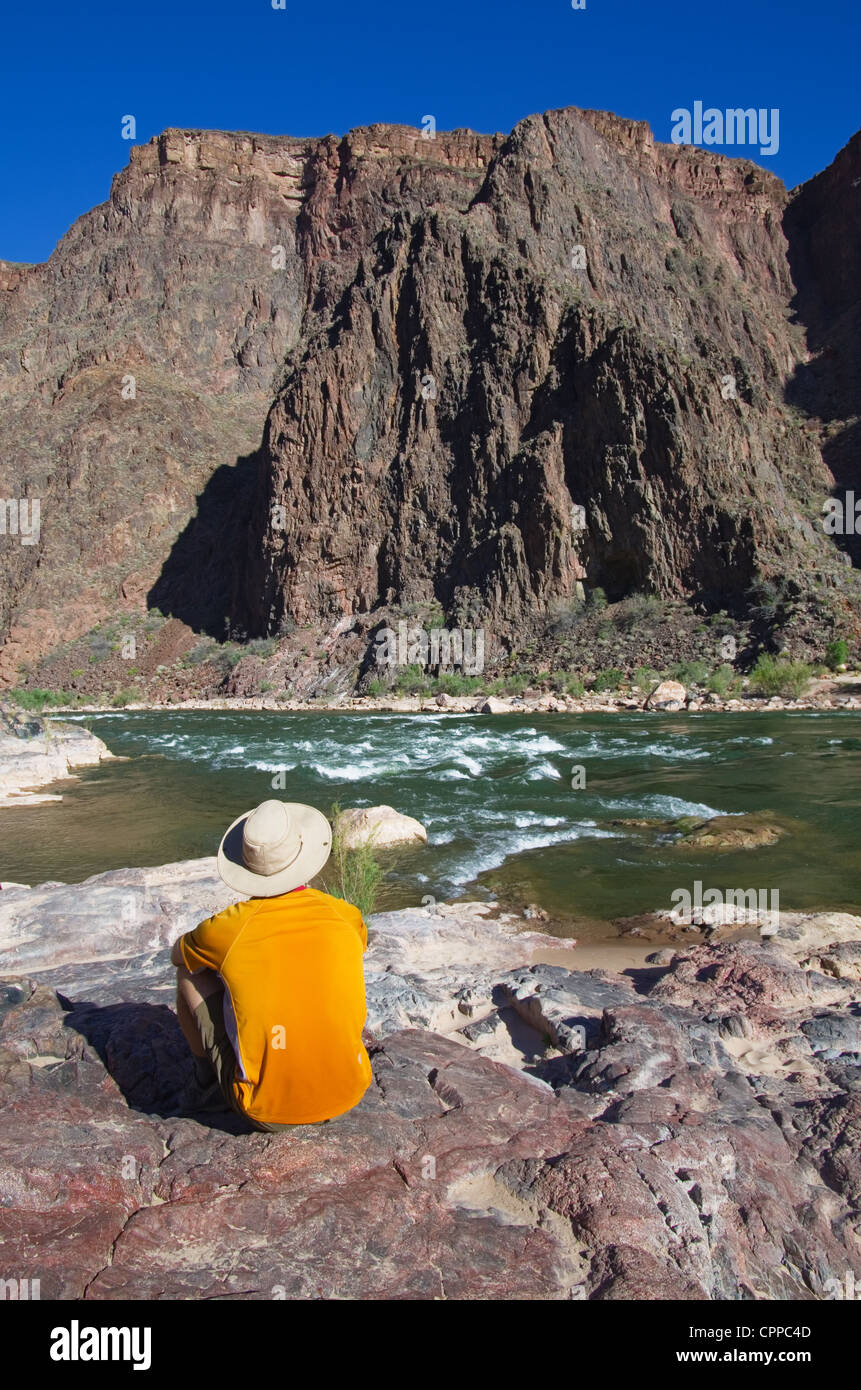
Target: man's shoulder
(232,916)
(338,907)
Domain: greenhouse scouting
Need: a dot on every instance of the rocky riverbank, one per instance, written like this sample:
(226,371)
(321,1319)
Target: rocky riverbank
(839,693)
(37,752)
(686,1129)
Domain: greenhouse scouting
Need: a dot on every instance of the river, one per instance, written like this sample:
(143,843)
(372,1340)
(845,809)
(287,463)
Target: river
(495,794)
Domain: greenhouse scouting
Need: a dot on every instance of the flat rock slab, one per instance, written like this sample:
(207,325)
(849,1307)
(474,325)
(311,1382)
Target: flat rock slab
(687,1132)
(36,752)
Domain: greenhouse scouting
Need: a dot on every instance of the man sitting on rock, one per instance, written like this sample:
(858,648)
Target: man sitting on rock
(271,991)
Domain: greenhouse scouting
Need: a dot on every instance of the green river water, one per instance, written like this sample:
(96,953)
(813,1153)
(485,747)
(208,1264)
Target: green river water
(494,793)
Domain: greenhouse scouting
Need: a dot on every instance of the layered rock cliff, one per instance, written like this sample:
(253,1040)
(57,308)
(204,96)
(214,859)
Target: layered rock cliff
(277,381)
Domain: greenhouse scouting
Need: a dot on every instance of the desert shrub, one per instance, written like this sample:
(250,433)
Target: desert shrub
(154,620)
(227,657)
(509,685)
(596,598)
(566,617)
(456,683)
(200,652)
(412,680)
(36,698)
(610,679)
(126,697)
(567,683)
(837,653)
(722,680)
(771,676)
(721,623)
(691,672)
(645,677)
(352,874)
(100,646)
(770,602)
(261,646)
(640,610)
(375,686)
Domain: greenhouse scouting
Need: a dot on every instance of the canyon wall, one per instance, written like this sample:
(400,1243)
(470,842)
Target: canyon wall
(277,381)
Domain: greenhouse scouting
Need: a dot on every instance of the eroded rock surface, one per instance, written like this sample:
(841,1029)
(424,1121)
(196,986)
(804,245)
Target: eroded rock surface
(689,1131)
(35,752)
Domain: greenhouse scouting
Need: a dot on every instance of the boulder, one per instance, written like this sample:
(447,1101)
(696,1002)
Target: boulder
(379,826)
(35,752)
(728,832)
(667,695)
(494,706)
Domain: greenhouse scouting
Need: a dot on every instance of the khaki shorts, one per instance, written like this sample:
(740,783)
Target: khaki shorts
(209,1016)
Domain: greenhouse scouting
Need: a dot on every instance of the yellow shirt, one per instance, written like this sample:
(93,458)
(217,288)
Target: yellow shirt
(294,1002)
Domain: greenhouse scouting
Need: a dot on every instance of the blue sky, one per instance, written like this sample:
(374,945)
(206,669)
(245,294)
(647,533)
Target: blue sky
(68,77)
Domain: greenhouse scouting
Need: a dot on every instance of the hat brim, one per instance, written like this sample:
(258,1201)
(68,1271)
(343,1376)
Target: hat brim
(316,834)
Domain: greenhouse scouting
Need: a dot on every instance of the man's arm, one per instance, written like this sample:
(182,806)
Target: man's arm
(176,957)
(206,946)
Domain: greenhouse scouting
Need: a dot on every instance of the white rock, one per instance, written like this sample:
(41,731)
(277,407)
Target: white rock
(379,826)
(494,706)
(669,695)
(48,756)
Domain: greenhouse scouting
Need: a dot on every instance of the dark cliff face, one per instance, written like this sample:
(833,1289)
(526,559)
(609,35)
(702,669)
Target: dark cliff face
(822,226)
(604,326)
(448,348)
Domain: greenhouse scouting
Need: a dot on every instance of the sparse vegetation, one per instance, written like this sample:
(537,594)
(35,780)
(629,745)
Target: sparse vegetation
(200,652)
(412,680)
(227,657)
(723,681)
(567,683)
(454,683)
(691,672)
(610,679)
(640,610)
(37,699)
(101,646)
(352,874)
(566,617)
(645,677)
(131,696)
(261,646)
(837,654)
(771,676)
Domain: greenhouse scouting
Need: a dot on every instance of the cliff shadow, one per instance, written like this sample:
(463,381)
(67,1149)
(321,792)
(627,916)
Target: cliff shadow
(143,1048)
(827,388)
(200,578)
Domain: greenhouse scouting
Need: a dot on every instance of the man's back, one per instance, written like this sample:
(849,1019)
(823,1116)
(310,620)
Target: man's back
(294,1002)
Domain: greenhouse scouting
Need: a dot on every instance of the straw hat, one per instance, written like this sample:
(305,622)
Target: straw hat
(276,847)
